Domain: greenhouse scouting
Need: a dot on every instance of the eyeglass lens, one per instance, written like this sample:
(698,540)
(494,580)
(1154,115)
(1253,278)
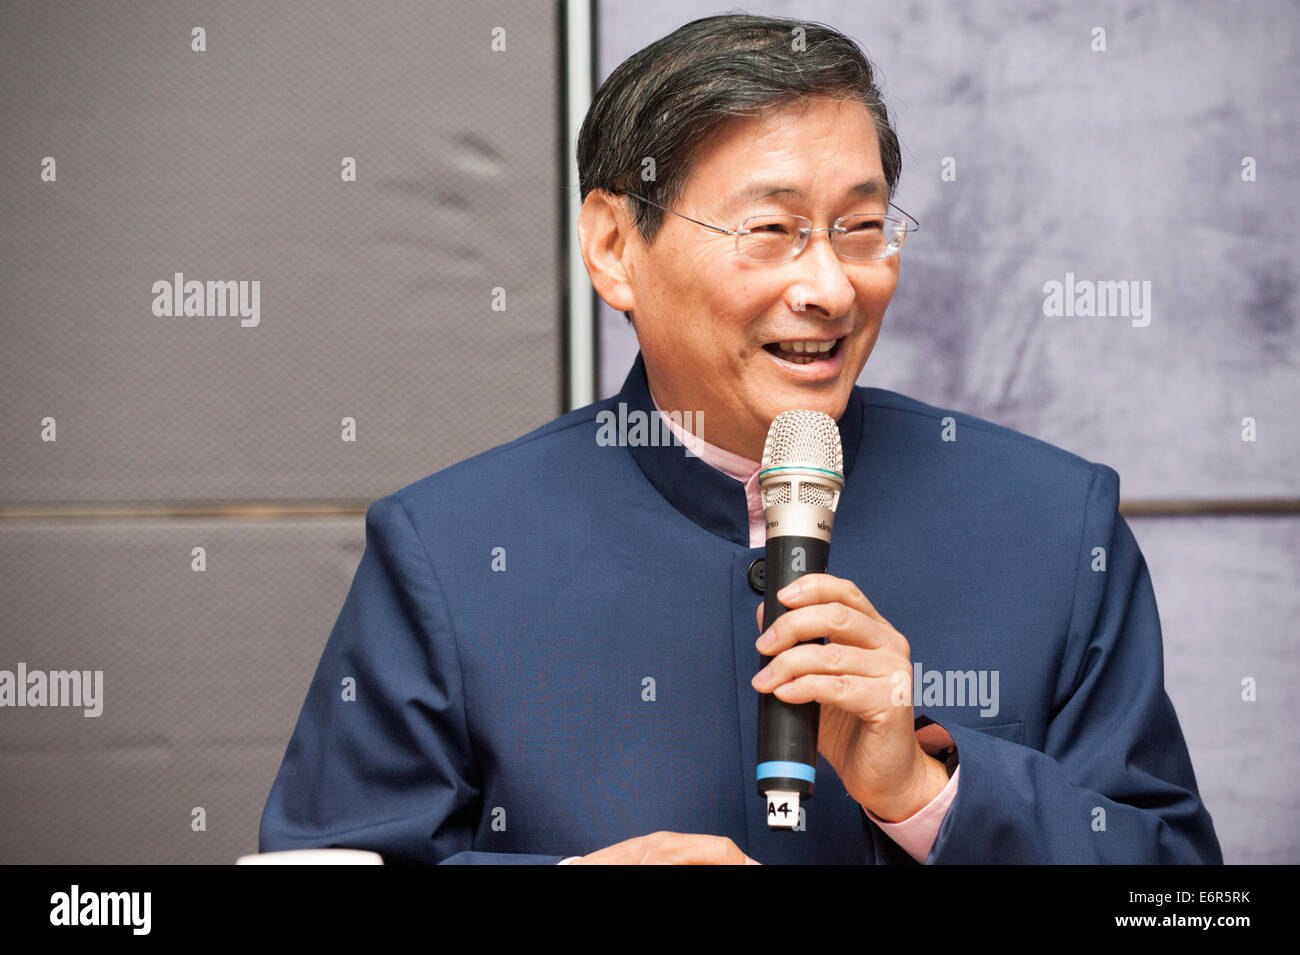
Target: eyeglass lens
(866,236)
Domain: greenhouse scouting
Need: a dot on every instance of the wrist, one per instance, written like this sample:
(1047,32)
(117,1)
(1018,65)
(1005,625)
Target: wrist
(929,777)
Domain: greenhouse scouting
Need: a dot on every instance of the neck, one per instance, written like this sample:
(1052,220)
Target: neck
(747,446)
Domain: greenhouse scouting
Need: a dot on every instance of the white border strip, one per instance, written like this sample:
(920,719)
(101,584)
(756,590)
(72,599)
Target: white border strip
(582,312)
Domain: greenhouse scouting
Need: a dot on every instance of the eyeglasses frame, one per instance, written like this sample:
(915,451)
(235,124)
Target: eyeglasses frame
(807,233)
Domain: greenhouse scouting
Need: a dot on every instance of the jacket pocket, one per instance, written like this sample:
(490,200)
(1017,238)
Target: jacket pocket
(1013,732)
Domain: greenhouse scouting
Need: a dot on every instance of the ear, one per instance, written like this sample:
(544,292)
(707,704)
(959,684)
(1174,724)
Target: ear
(605,235)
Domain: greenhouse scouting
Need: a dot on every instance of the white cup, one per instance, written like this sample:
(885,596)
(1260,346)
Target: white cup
(313,857)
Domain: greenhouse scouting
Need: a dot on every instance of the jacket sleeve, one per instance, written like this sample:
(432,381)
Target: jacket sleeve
(380,758)
(1114,782)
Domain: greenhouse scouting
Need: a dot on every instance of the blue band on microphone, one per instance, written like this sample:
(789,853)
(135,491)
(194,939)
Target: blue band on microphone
(787,769)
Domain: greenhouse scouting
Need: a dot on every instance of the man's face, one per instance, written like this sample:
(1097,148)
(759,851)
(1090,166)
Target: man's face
(709,320)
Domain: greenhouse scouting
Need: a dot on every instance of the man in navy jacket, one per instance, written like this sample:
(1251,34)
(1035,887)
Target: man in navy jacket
(502,715)
(549,650)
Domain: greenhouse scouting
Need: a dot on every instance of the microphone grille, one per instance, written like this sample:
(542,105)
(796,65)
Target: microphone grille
(802,438)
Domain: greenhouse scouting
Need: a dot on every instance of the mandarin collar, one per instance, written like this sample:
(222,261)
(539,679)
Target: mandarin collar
(713,500)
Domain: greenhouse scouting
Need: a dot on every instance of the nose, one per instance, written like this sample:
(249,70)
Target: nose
(822,283)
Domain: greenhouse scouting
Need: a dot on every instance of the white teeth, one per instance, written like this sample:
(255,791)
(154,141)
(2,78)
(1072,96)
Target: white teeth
(800,353)
(801,347)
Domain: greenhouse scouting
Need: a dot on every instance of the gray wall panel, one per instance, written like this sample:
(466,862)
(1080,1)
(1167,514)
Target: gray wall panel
(203,677)
(376,295)
(1122,165)
(1228,601)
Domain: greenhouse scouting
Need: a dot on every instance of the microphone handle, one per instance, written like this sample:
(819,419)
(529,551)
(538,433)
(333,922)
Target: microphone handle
(787,732)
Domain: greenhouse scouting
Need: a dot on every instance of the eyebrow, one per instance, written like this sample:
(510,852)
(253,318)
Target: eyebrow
(869,189)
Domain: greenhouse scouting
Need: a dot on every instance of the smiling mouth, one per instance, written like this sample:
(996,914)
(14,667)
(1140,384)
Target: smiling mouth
(805,352)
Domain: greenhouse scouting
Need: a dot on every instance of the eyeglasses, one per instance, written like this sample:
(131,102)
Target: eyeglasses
(775,237)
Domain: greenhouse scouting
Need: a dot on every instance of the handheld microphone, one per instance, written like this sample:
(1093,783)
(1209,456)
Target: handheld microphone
(801,477)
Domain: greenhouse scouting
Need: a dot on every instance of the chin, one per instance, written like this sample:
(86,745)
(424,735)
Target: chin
(790,399)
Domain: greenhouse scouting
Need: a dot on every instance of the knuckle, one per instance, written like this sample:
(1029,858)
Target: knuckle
(840,617)
(834,654)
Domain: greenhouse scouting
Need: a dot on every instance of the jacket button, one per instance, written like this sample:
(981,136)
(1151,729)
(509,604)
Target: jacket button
(758,575)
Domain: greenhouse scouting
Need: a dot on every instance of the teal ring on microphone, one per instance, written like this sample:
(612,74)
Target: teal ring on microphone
(798,467)
(780,767)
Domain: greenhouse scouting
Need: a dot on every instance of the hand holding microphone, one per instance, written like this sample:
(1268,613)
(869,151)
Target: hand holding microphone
(841,676)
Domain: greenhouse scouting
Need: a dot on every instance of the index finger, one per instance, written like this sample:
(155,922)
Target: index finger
(825,588)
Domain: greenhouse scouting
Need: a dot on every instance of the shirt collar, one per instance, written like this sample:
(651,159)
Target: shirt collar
(734,465)
(710,497)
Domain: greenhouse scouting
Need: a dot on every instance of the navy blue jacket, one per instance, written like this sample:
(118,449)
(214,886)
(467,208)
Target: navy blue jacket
(550,647)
